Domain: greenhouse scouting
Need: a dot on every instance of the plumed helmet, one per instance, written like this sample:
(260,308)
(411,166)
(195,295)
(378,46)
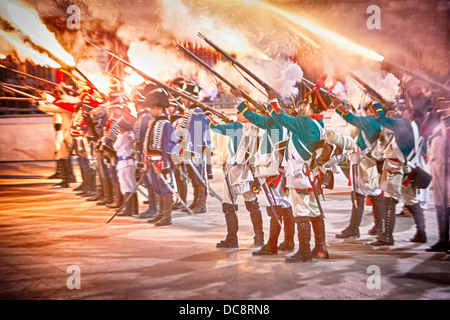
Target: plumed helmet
(317,100)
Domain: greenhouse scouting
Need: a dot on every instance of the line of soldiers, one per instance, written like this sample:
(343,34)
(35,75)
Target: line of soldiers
(118,152)
(391,147)
(283,153)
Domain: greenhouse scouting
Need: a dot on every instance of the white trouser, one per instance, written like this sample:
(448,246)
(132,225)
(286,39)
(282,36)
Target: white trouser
(367,176)
(391,183)
(303,205)
(227,198)
(127,179)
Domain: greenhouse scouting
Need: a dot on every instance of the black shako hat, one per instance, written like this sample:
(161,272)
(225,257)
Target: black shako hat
(156,98)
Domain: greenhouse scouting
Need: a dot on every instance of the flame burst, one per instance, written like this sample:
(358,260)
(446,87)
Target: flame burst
(28,22)
(322,32)
(24,50)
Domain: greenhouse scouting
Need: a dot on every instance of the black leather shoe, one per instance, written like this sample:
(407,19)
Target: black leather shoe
(265,251)
(382,243)
(286,246)
(299,257)
(419,237)
(79,188)
(227,244)
(440,246)
(348,234)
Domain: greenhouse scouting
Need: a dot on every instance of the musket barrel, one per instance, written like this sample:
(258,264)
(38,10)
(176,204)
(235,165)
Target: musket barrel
(8,88)
(214,72)
(234,61)
(166,87)
(34,77)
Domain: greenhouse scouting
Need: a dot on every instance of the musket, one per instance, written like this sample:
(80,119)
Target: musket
(69,68)
(307,172)
(235,62)
(218,75)
(270,197)
(371,92)
(8,88)
(175,91)
(354,179)
(36,78)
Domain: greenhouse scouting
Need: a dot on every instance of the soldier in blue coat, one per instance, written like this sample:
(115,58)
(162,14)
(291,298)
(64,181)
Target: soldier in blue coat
(158,145)
(194,144)
(140,129)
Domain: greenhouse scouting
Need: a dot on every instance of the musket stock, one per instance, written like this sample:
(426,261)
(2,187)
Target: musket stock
(218,75)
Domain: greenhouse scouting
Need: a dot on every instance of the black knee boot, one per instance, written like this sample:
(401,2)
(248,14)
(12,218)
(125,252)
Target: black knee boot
(200,206)
(89,184)
(320,250)
(355,219)
(63,173)
(57,174)
(182,191)
(107,192)
(231,219)
(417,212)
(98,195)
(152,205)
(129,210)
(117,196)
(80,188)
(70,174)
(387,238)
(289,229)
(127,205)
(257,222)
(442,219)
(304,237)
(166,210)
(274,232)
(379,210)
(194,201)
